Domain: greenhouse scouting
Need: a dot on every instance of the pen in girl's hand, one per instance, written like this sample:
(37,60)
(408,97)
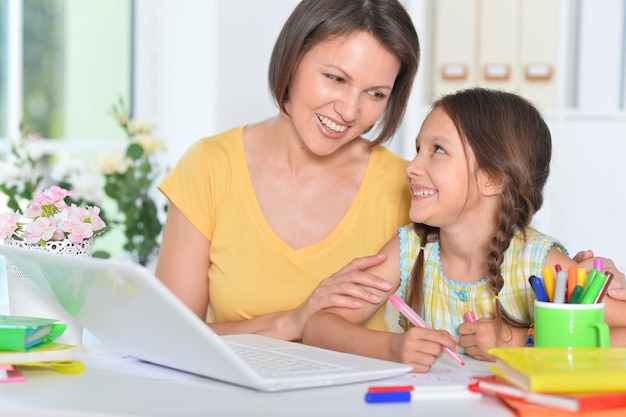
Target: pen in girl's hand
(418,322)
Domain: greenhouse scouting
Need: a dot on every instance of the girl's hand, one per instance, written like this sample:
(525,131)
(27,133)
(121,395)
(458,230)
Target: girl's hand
(421,347)
(480,336)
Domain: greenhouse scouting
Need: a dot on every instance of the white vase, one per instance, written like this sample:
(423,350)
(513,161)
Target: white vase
(30,300)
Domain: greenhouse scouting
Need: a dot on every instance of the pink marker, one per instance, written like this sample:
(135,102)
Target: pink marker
(470,316)
(598,263)
(418,322)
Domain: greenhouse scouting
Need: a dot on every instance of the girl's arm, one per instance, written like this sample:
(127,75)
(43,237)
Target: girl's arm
(183,265)
(339,328)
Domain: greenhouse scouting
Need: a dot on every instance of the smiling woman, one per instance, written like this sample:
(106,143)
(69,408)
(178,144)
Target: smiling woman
(263,218)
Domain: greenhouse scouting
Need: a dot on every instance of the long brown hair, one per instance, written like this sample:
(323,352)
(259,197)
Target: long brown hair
(511,142)
(314,21)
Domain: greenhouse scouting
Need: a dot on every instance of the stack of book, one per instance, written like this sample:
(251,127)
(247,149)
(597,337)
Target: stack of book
(29,341)
(557,382)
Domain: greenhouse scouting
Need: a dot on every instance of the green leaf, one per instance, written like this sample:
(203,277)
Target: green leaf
(134,151)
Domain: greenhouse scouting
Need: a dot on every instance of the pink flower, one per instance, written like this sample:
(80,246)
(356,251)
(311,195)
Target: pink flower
(77,229)
(42,228)
(93,216)
(9,224)
(54,196)
(50,218)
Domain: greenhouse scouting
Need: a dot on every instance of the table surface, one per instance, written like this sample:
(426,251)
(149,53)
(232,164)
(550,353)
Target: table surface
(116,386)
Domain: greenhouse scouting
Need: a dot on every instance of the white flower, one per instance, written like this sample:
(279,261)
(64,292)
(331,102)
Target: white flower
(8,172)
(88,186)
(138,128)
(150,144)
(112,162)
(68,168)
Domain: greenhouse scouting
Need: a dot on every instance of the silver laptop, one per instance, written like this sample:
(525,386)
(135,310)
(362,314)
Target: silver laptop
(132,313)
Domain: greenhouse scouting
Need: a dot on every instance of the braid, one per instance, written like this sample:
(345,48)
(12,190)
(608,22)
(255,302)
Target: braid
(499,245)
(415,287)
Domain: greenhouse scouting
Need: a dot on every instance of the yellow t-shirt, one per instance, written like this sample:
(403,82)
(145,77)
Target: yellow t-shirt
(253,272)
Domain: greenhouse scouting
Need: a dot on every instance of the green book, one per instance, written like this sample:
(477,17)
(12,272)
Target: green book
(19,333)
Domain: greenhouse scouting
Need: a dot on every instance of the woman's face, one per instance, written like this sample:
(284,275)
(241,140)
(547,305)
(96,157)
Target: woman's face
(339,89)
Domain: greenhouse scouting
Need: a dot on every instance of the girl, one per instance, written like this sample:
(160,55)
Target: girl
(482,161)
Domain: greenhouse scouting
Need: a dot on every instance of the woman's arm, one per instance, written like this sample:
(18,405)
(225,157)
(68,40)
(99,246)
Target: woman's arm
(340,329)
(183,266)
(617,288)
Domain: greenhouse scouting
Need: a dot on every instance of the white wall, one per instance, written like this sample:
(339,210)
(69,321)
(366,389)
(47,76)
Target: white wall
(201,67)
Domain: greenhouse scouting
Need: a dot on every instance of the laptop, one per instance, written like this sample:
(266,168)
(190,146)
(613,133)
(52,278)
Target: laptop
(132,313)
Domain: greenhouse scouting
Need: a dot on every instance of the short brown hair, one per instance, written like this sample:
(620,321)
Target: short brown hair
(314,21)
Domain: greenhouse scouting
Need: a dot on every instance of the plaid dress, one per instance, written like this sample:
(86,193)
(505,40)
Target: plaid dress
(446,301)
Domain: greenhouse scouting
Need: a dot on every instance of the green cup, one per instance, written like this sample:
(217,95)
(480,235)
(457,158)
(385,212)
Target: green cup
(570,325)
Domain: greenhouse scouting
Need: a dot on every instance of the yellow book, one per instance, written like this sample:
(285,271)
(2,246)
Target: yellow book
(562,370)
(43,353)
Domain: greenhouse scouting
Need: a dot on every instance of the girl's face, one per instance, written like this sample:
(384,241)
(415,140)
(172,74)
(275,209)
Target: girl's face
(339,89)
(441,176)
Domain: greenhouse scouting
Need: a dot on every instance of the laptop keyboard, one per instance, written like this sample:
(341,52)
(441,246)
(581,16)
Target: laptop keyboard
(273,364)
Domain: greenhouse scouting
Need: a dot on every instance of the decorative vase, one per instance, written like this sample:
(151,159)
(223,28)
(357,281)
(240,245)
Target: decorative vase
(36,299)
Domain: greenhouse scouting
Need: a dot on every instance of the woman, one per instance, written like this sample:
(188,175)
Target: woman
(260,214)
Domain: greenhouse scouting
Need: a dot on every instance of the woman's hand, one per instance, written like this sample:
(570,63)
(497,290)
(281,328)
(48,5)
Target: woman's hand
(617,287)
(349,288)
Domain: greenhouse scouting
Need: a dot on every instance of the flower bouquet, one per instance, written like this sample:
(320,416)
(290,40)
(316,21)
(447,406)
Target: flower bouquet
(50,219)
(50,224)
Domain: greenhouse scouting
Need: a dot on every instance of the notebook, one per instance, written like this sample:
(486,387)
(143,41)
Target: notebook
(132,313)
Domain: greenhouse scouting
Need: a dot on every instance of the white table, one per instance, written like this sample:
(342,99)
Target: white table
(124,387)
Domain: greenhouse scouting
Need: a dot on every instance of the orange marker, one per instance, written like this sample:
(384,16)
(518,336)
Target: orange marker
(572,280)
(549,282)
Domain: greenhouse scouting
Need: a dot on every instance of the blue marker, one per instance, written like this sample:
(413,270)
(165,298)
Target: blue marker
(388,397)
(540,291)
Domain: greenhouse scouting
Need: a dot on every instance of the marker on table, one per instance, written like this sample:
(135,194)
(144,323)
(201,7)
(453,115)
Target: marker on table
(418,322)
(388,397)
(390,388)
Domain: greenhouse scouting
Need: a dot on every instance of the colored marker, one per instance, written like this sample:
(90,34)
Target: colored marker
(593,288)
(418,322)
(576,295)
(598,263)
(558,268)
(549,282)
(538,288)
(582,277)
(388,397)
(605,287)
(572,280)
(423,394)
(390,388)
(590,278)
(470,316)
(561,287)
